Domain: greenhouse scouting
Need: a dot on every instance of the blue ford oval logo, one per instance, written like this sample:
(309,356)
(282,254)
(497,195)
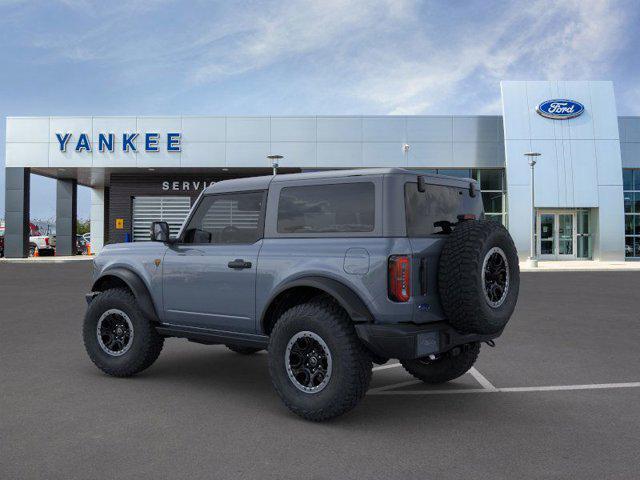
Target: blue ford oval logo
(560,109)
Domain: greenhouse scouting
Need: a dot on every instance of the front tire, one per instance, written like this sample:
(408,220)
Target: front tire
(118,338)
(449,366)
(318,366)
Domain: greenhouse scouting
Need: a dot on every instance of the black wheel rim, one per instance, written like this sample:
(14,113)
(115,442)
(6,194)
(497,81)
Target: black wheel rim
(114,332)
(308,362)
(495,277)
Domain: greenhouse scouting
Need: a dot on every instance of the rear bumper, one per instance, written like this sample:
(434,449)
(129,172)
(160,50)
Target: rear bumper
(406,341)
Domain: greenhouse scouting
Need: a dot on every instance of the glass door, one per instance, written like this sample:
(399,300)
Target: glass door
(546,243)
(566,232)
(556,235)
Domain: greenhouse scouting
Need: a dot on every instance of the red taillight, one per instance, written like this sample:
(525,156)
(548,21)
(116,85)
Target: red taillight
(399,278)
(46,241)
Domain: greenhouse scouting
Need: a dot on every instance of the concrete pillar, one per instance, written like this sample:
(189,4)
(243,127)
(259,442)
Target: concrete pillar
(17,189)
(97,219)
(66,217)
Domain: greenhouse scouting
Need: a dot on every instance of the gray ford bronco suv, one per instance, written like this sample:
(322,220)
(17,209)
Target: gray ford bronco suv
(328,271)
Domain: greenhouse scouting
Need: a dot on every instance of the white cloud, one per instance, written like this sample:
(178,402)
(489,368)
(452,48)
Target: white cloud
(392,56)
(543,39)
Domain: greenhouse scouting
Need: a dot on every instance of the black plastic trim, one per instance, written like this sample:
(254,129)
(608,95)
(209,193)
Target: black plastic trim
(209,336)
(402,340)
(346,297)
(136,285)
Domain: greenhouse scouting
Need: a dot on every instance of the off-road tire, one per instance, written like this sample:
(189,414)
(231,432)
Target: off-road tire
(351,371)
(449,366)
(147,342)
(243,350)
(460,281)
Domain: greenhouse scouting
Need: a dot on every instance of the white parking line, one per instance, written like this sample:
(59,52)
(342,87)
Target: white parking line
(373,391)
(386,365)
(481,379)
(550,388)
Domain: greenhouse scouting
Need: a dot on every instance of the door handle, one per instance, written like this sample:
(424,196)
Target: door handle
(239,264)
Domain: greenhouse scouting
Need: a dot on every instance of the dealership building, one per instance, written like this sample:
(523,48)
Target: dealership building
(139,169)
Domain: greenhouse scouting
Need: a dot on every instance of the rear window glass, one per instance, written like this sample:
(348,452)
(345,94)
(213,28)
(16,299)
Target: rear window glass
(345,207)
(434,211)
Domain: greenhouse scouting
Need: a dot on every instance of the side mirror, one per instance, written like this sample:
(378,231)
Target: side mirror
(160,232)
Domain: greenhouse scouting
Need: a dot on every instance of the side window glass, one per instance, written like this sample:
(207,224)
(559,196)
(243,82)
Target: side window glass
(312,209)
(227,219)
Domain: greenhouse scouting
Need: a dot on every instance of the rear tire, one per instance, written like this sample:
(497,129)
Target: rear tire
(449,366)
(318,365)
(243,350)
(118,338)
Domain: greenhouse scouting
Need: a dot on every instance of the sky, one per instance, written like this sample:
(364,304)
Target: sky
(147,57)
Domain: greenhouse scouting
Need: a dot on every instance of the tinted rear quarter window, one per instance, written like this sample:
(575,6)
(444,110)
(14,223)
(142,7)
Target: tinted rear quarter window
(311,209)
(437,204)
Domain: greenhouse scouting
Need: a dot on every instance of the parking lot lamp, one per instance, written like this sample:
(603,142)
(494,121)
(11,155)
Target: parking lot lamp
(531,156)
(274,159)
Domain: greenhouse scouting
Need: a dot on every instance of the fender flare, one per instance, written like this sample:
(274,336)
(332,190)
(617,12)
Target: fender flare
(343,294)
(135,284)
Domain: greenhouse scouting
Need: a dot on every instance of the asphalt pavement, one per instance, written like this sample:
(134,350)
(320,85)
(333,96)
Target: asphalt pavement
(558,397)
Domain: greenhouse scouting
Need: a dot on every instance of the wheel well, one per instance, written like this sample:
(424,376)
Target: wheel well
(110,281)
(287,299)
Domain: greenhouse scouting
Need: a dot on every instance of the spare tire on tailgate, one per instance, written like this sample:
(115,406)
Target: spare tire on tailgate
(479,277)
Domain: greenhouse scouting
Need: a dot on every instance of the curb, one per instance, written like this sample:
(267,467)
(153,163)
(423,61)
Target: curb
(47,260)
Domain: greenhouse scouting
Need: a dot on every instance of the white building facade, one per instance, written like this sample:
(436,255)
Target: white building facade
(587,178)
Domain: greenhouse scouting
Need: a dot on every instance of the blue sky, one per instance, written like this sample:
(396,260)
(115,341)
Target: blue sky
(77,57)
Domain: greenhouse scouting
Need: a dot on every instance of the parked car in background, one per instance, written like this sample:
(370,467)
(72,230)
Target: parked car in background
(45,243)
(1,242)
(87,237)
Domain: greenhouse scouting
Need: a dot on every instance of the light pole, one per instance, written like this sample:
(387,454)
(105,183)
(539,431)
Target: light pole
(533,260)
(405,153)
(274,162)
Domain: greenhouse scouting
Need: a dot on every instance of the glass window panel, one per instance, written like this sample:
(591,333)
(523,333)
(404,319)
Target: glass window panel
(583,222)
(629,224)
(637,222)
(437,205)
(492,202)
(629,247)
(584,247)
(475,174)
(636,179)
(495,218)
(455,172)
(227,219)
(491,179)
(627,178)
(636,203)
(628,202)
(546,247)
(347,207)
